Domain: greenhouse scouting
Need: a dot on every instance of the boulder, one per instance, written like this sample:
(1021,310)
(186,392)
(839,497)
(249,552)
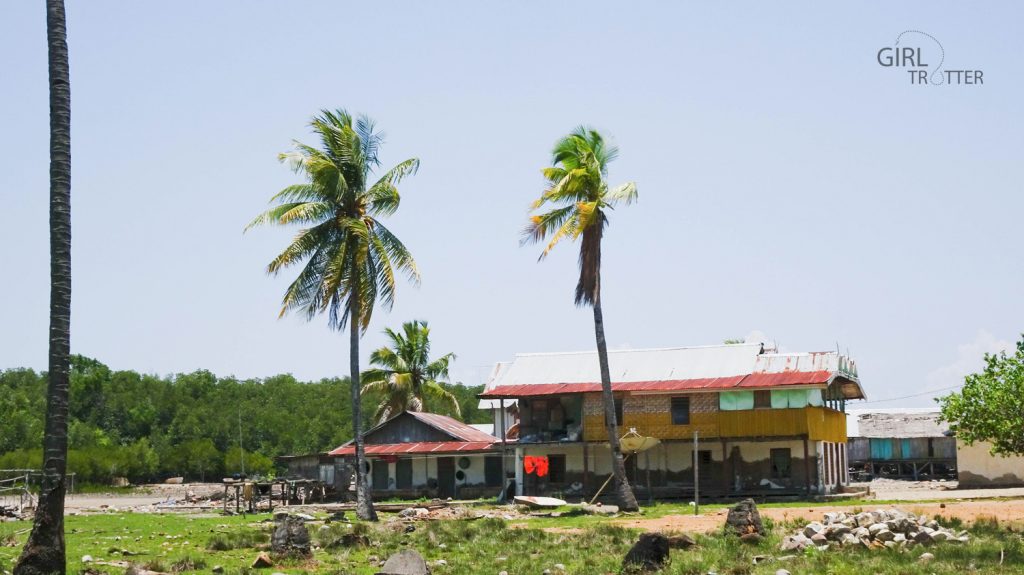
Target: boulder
(649,553)
(751,538)
(813,528)
(744,518)
(262,561)
(681,541)
(794,543)
(405,562)
(290,536)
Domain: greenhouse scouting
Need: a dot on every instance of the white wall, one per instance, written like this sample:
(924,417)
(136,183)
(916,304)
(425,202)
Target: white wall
(977,467)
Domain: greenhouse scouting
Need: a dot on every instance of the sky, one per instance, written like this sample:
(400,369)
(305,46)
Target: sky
(791,188)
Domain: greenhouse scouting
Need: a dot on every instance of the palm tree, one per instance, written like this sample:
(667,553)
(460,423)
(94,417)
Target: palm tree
(350,257)
(580,195)
(405,376)
(45,552)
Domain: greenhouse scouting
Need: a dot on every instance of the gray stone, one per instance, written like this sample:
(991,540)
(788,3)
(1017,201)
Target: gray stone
(751,538)
(86,558)
(290,536)
(925,557)
(601,509)
(681,541)
(781,572)
(813,528)
(875,528)
(940,536)
(794,543)
(407,512)
(262,561)
(885,535)
(819,539)
(218,569)
(405,562)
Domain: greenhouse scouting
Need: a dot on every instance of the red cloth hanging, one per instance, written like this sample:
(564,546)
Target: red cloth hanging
(536,463)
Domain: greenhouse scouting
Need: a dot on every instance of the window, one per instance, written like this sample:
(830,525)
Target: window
(492,471)
(762,399)
(403,474)
(680,411)
(704,462)
(556,468)
(618,411)
(780,459)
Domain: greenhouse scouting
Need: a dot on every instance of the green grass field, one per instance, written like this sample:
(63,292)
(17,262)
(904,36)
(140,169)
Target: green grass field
(191,544)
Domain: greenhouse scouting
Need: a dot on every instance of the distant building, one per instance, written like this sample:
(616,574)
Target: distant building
(767,422)
(977,467)
(905,443)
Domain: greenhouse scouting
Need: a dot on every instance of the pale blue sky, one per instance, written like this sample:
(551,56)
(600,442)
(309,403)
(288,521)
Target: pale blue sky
(788,184)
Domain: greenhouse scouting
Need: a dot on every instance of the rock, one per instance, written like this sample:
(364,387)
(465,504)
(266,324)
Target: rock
(218,569)
(290,536)
(559,567)
(762,559)
(86,558)
(874,528)
(925,557)
(601,509)
(304,517)
(353,540)
(405,562)
(440,562)
(781,572)
(794,543)
(262,561)
(813,528)
(885,535)
(649,553)
(940,536)
(744,518)
(681,541)
(502,572)
(546,572)
(819,539)
(407,512)
(786,558)
(751,538)
(923,537)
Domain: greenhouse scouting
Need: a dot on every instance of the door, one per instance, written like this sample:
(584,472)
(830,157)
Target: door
(380,475)
(445,477)
(403,474)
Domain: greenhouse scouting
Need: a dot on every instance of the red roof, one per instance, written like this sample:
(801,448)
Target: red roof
(420,447)
(753,380)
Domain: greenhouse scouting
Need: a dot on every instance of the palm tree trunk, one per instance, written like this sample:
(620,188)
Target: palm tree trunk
(364,497)
(44,552)
(623,492)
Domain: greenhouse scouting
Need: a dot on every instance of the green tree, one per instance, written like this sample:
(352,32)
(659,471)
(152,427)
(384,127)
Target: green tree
(350,257)
(405,377)
(579,197)
(990,406)
(44,552)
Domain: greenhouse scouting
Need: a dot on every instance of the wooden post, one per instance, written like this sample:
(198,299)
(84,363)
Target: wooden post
(696,476)
(647,462)
(725,467)
(586,469)
(807,466)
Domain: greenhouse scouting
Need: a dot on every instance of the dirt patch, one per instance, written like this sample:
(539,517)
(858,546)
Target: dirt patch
(1006,512)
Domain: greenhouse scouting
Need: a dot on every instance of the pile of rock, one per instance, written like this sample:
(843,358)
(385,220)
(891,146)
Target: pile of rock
(884,528)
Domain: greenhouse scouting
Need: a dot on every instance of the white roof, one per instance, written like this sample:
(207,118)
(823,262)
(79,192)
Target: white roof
(898,422)
(497,371)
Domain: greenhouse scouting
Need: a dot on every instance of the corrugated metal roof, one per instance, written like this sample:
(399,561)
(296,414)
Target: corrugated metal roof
(895,423)
(453,427)
(671,369)
(422,447)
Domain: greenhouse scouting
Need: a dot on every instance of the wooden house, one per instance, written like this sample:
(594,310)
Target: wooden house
(904,443)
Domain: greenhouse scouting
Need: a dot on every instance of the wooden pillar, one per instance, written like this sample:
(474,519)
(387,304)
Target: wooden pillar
(504,471)
(807,466)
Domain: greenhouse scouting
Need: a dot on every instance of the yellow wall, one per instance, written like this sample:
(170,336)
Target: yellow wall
(818,423)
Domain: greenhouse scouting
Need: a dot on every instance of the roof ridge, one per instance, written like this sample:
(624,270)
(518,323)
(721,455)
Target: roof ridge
(631,350)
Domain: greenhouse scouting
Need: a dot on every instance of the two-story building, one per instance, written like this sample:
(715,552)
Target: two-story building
(765,422)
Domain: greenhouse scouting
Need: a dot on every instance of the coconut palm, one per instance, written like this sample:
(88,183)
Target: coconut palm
(405,377)
(579,197)
(45,552)
(349,259)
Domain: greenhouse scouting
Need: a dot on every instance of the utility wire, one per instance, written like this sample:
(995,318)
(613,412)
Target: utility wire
(958,386)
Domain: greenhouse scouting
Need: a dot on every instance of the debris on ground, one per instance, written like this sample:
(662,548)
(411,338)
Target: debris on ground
(649,553)
(884,528)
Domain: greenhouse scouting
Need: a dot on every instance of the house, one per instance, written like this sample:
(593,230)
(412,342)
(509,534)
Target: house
(416,454)
(903,443)
(977,467)
(757,420)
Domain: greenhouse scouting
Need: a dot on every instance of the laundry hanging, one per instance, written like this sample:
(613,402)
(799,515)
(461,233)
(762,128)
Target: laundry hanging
(536,464)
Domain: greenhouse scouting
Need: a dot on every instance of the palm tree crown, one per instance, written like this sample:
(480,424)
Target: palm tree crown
(348,251)
(405,375)
(580,195)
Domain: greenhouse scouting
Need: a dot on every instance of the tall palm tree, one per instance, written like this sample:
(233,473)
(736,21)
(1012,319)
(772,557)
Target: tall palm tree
(579,193)
(405,377)
(350,257)
(45,552)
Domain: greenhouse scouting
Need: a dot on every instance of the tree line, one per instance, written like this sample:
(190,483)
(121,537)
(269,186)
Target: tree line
(146,427)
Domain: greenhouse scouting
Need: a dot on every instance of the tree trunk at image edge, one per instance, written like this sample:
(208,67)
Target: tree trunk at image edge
(44,552)
(364,497)
(623,492)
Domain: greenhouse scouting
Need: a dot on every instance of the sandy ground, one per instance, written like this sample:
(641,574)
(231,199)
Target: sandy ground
(1005,511)
(149,495)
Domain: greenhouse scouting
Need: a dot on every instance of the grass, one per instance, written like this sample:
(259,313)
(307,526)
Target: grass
(172,543)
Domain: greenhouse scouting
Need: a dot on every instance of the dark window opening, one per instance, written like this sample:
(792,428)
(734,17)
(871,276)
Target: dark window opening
(762,399)
(380,474)
(618,412)
(403,474)
(780,459)
(680,411)
(556,468)
(492,471)
(931,447)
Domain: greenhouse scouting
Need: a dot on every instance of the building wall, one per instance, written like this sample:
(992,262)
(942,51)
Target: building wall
(977,467)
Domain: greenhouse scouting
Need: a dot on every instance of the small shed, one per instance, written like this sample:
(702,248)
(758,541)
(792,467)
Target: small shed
(900,443)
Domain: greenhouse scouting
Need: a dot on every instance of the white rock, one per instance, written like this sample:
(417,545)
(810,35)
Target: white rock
(925,557)
(86,558)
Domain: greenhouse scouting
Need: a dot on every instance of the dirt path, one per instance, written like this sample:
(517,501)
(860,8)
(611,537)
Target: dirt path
(1007,512)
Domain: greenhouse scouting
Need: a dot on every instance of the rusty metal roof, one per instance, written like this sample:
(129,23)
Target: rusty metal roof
(423,447)
(453,427)
(672,369)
